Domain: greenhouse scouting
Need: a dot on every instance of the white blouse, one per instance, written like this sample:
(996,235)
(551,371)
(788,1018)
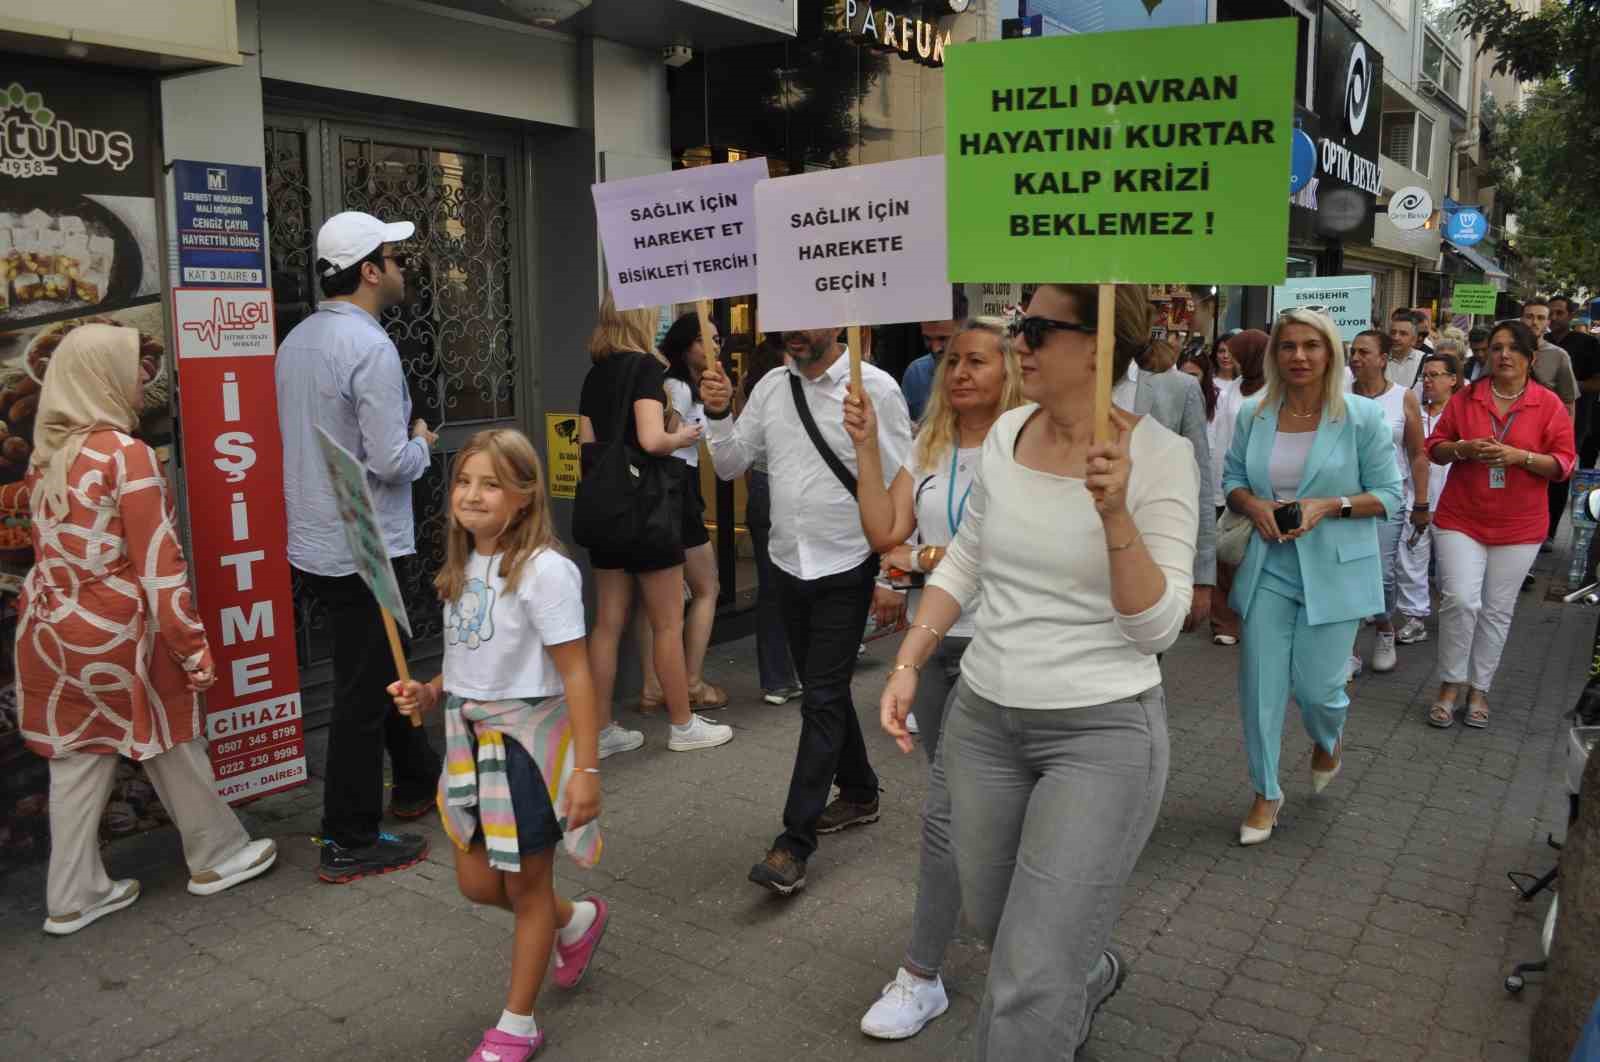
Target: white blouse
(1047,634)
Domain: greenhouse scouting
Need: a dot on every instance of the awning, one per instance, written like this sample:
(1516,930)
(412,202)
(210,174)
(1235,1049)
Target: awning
(1487,266)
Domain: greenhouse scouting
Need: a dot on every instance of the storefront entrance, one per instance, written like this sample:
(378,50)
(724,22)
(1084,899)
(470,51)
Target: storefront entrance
(458,334)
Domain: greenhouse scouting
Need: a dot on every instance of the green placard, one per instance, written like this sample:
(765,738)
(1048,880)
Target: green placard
(1473,298)
(1137,157)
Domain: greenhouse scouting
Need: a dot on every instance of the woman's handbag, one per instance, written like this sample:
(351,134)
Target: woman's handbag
(629,501)
(1233,537)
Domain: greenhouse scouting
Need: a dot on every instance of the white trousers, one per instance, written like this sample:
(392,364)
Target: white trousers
(1478,588)
(80,785)
(1415,598)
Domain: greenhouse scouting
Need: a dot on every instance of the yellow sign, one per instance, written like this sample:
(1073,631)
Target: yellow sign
(561,442)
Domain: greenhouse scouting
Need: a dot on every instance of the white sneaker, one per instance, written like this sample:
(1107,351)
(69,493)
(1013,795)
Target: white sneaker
(782,696)
(123,893)
(253,860)
(1412,631)
(699,733)
(1355,668)
(614,739)
(907,1004)
(1383,655)
(911,723)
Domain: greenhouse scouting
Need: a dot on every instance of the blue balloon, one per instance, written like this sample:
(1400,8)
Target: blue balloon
(1302,160)
(1466,227)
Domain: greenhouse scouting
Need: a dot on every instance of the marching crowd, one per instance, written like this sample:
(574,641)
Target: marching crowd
(1283,486)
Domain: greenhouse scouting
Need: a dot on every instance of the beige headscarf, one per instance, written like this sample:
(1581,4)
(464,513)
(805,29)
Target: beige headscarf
(92,383)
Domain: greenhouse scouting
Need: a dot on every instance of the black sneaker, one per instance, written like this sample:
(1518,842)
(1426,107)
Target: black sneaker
(408,810)
(390,852)
(842,814)
(1119,974)
(780,872)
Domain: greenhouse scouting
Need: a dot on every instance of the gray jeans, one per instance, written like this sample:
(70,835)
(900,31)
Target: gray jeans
(938,910)
(1050,812)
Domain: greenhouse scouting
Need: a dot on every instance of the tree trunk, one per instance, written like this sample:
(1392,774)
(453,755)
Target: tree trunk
(1573,981)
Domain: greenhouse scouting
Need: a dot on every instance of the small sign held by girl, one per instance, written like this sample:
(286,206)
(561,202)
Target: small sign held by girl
(521,769)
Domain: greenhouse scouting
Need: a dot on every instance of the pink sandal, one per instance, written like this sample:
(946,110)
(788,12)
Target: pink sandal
(572,963)
(497,1046)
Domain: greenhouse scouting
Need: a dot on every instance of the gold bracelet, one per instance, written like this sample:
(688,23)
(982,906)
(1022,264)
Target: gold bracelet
(1118,549)
(906,667)
(937,634)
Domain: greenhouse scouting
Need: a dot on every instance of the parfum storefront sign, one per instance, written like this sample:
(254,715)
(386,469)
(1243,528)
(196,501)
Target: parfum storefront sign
(917,39)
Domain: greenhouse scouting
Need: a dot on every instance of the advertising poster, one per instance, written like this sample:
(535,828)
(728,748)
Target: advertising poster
(1348,300)
(858,246)
(561,445)
(222,225)
(239,537)
(1473,298)
(1349,93)
(1065,166)
(680,236)
(79,243)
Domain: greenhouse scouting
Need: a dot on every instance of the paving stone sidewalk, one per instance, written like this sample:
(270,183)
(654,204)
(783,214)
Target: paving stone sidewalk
(1376,924)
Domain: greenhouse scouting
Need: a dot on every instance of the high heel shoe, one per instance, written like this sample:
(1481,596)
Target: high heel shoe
(1249,834)
(1320,780)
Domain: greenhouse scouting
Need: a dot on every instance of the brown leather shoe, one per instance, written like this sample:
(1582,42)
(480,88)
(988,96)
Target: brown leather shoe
(842,814)
(780,872)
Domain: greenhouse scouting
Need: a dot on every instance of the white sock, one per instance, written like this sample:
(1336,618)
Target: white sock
(683,728)
(583,916)
(517,1025)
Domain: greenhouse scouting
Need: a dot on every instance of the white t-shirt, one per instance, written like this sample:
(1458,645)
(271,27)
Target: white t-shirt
(691,412)
(937,503)
(494,643)
(1219,433)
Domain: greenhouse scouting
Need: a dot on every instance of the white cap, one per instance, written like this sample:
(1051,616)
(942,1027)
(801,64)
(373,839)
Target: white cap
(347,238)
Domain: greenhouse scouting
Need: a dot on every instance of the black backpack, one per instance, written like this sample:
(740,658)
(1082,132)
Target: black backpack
(629,501)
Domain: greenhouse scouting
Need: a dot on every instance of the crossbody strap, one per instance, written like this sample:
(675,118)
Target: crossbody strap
(624,418)
(831,459)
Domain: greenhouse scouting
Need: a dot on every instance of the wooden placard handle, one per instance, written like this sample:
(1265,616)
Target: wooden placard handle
(399,654)
(853,338)
(1104,343)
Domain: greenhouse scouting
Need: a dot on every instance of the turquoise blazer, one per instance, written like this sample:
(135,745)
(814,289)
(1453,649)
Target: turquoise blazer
(1340,570)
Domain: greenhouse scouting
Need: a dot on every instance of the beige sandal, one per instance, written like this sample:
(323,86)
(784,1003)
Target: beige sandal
(1477,713)
(649,705)
(708,696)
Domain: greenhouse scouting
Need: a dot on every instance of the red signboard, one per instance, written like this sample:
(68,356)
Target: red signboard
(233,467)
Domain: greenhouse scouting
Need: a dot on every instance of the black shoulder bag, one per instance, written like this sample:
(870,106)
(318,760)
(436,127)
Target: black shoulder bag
(629,501)
(831,459)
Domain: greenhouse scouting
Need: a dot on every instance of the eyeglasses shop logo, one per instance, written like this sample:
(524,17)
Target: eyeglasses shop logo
(1357,89)
(33,138)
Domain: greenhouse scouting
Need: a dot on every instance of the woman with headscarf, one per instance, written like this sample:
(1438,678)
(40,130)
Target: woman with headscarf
(110,654)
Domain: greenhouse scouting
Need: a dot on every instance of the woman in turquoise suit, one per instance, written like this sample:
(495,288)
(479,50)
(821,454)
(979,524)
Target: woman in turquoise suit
(1309,575)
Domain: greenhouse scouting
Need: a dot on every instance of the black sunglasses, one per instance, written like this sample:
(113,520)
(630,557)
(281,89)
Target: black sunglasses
(1033,330)
(401,260)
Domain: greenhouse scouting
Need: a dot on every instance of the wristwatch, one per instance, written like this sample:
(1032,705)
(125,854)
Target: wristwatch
(1345,508)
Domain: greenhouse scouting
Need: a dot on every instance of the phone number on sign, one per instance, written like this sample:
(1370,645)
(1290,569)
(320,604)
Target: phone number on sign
(254,741)
(257,760)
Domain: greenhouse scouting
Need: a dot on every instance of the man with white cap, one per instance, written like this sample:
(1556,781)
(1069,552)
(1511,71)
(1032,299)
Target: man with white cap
(339,371)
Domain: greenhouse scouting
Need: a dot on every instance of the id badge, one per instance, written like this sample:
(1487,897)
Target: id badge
(1497,478)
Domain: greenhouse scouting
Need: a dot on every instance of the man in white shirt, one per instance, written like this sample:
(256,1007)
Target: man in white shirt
(1405,359)
(824,567)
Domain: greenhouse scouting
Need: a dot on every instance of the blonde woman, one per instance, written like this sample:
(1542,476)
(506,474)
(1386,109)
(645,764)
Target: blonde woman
(1314,470)
(912,523)
(623,351)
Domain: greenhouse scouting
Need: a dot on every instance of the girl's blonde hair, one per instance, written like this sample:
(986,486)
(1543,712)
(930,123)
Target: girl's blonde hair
(938,430)
(616,330)
(1332,379)
(516,466)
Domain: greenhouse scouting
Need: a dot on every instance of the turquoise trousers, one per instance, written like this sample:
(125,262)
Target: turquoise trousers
(1283,654)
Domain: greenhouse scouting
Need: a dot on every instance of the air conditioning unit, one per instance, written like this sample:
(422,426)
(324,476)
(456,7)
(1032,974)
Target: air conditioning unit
(547,12)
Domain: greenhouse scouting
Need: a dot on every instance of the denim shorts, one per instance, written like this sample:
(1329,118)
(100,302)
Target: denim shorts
(537,828)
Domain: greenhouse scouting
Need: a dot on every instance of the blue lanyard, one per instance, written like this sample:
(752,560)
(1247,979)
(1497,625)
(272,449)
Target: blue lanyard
(952,514)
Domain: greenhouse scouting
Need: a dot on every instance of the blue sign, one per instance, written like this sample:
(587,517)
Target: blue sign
(1346,300)
(1466,227)
(1302,160)
(222,231)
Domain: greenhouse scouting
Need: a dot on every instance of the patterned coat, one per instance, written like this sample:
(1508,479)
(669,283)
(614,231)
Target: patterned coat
(107,623)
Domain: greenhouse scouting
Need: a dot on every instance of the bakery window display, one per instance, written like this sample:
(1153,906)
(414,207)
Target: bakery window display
(53,262)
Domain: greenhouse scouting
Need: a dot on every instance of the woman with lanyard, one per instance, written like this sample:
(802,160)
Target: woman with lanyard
(1440,379)
(912,523)
(1369,358)
(1509,437)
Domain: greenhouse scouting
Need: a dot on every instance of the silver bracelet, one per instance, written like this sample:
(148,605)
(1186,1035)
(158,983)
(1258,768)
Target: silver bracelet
(587,770)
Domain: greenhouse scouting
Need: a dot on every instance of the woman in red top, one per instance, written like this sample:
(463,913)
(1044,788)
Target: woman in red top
(110,655)
(1509,437)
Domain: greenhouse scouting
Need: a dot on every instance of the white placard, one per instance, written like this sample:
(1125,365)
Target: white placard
(858,246)
(680,236)
(1347,300)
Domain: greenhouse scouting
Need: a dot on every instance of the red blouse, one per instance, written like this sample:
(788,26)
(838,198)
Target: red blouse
(1518,513)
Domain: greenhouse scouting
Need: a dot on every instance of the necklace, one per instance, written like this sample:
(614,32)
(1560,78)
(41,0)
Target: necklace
(1297,413)
(1507,398)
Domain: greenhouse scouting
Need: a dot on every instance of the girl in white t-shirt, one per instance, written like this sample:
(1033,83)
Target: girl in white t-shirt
(521,724)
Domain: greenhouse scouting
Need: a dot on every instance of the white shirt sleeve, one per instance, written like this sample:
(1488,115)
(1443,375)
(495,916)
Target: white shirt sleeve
(736,443)
(894,426)
(1167,517)
(551,594)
